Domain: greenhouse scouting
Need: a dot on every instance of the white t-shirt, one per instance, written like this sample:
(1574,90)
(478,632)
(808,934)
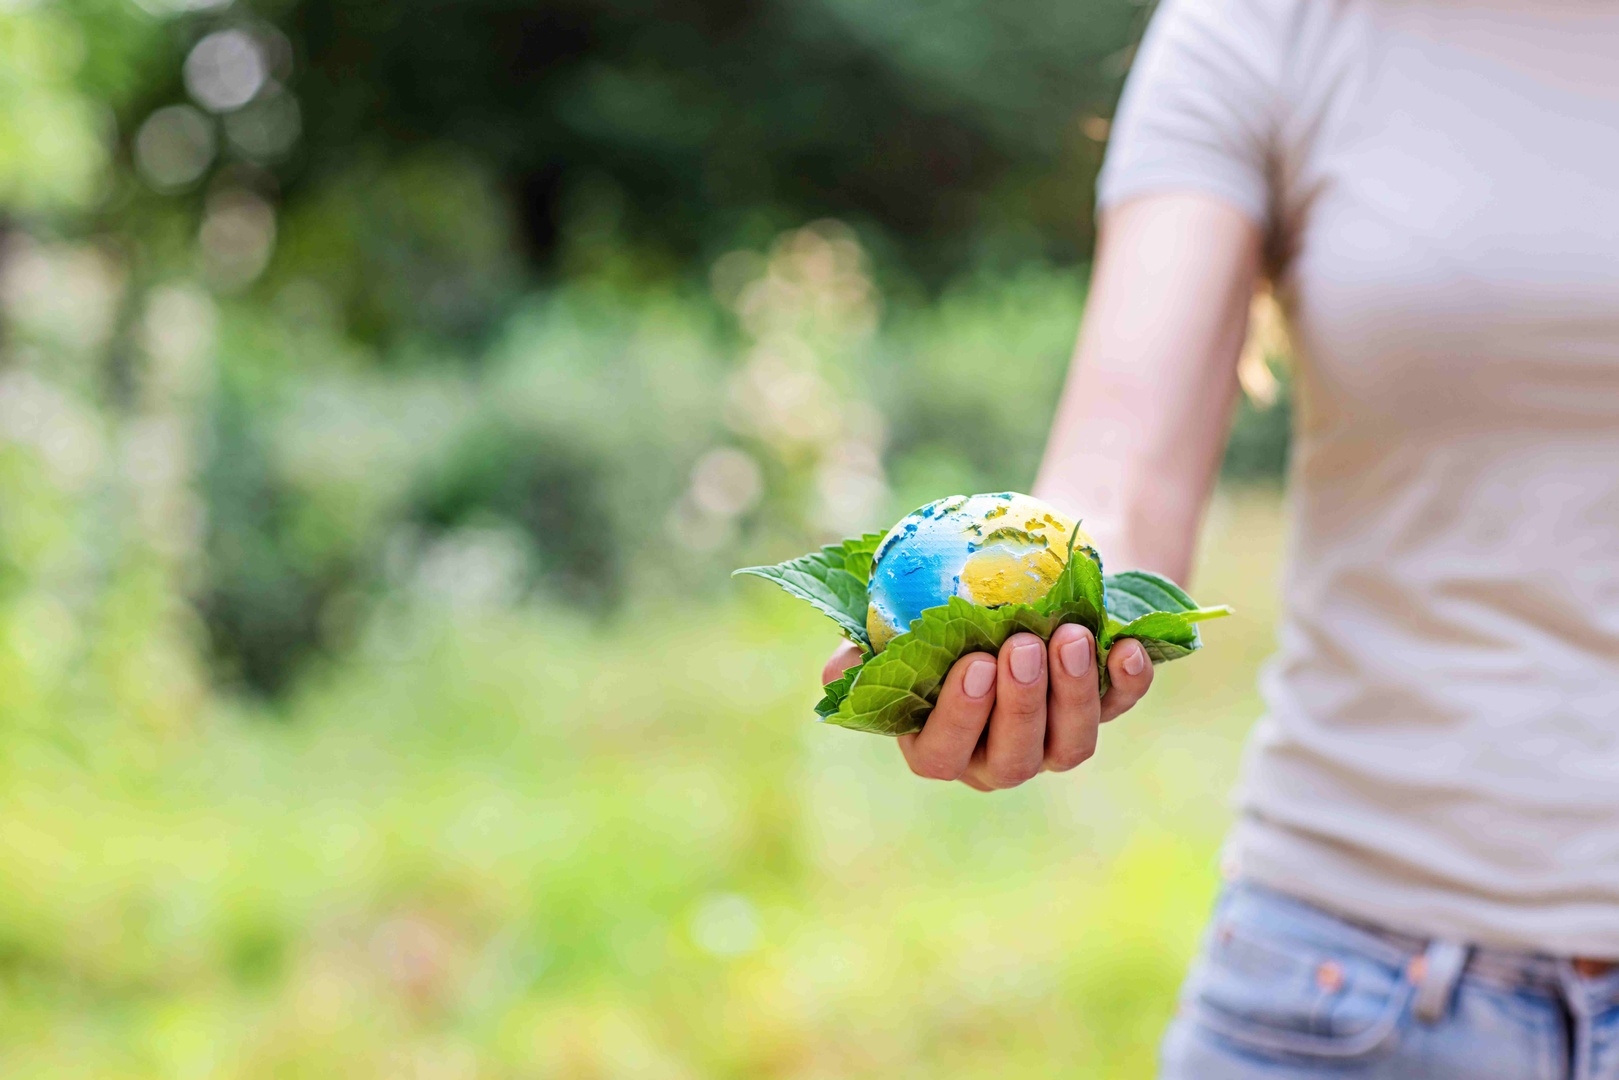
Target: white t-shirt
(1439,183)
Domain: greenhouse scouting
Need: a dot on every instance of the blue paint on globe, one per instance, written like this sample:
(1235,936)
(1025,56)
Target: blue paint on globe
(906,583)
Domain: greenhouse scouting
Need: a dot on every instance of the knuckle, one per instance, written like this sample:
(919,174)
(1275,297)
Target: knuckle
(1022,706)
(959,719)
(1071,758)
(1086,713)
(932,768)
(1075,693)
(1013,774)
(1023,716)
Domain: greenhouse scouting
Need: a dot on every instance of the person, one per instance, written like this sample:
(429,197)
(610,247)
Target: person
(1424,871)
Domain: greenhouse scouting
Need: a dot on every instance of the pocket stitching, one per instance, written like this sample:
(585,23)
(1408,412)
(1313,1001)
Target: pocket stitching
(1301,1044)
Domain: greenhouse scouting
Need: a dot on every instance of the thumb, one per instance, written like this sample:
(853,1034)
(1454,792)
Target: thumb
(846,657)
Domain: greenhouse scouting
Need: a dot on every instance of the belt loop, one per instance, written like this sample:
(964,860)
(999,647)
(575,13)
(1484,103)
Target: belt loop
(1441,968)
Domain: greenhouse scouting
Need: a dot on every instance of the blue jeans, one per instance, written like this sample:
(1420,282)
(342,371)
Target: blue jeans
(1287,991)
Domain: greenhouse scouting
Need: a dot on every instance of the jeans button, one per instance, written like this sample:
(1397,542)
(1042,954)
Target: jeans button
(1592,969)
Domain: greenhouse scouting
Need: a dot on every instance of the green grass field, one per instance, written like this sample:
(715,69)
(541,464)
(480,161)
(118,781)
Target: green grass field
(517,846)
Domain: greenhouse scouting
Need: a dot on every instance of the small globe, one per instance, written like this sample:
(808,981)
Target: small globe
(987,549)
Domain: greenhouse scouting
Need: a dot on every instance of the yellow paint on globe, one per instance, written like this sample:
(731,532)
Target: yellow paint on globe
(995,575)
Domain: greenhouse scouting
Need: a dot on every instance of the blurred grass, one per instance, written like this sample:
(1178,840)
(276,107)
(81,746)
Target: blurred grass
(520,845)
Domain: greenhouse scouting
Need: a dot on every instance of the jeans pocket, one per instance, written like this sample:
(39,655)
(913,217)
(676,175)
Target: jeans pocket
(1282,980)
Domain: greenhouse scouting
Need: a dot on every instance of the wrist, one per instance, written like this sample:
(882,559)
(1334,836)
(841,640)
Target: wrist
(1150,530)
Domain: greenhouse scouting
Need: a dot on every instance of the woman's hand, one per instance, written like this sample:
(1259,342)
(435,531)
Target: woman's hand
(1134,450)
(1000,720)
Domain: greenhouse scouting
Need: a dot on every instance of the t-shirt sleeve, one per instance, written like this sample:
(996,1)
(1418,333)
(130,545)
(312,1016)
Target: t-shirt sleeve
(1200,106)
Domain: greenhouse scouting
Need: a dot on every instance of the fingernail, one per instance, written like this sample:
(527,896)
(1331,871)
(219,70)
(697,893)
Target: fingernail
(1135,659)
(980,677)
(1076,657)
(1026,660)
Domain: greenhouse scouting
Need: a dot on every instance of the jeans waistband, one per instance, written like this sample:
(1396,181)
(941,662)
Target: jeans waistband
(1510,967)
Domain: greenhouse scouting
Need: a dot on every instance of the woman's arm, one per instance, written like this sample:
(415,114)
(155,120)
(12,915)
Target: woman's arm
(1134,451)
(1142,424)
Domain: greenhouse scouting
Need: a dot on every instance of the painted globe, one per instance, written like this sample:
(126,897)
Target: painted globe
(987,549)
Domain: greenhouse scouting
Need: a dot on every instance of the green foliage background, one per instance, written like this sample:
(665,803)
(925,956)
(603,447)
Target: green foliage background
(373,450)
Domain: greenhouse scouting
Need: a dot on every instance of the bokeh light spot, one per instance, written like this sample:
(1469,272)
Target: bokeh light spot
(173,147)
(727,482)
(237,237)
(225,70)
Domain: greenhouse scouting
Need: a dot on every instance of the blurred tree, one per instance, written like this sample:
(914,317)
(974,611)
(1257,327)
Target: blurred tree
(350,303)
(713,123)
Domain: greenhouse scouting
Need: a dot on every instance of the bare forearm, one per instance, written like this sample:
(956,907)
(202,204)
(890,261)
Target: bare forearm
(1139,517)
(1141,426)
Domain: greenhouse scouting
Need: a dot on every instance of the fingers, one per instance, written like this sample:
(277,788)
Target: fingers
(1073,707)
(1130,671)
(944,746)
(1000,720)
(1016,744)
(846,656)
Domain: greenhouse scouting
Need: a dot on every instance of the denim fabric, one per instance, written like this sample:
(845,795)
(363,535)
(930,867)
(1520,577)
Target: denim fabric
(1286,991)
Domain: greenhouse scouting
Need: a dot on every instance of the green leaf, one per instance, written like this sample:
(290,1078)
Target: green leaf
(1080,580)
(1145,606)
(836,691)
(832,579)
(1135,593)
(1161,628)
(896,689)
(858,553)
(1156,612)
